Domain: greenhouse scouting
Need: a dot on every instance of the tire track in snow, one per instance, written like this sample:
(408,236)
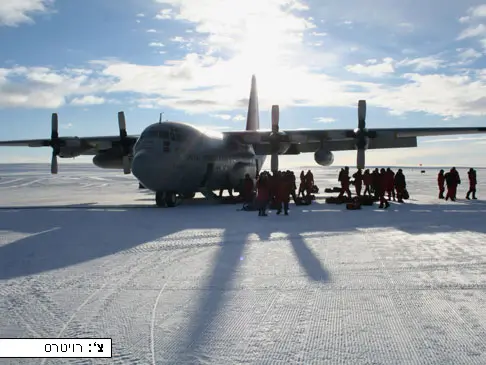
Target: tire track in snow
(114,290)
(253,334)
(152,323)
(398,302)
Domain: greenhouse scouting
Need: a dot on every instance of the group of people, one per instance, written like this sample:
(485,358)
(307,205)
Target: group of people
(276,189)
(377,183)
(451,180)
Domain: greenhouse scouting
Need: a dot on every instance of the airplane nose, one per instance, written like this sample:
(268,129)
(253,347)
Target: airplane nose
(144,168)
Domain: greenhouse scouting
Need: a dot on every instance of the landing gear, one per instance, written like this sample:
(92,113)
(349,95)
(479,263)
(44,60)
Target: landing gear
(168,199)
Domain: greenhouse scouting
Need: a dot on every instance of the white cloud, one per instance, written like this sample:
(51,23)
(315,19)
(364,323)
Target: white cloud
(239,117)
(372,68)
(151,31)
(222,116)
(409,27)
(422,63)
(88,100)
(15,12)
(319,34)
(478,11)
(325,120)
(140,15)
(156,44)
(179,39)
(472,31)
(164,14)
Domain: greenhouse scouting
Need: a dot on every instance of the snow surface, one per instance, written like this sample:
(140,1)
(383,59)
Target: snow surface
(207,284)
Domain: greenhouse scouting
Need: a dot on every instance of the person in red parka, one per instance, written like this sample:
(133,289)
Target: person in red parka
(390,183)
(309,182)
(381,187)
(472,183)
(358,181)
(440,183)
(456,180)
(263,194)
(248,188)
(400,185)
(344,179)
(284,189)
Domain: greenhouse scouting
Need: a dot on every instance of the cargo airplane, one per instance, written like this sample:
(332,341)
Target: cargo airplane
(178,159)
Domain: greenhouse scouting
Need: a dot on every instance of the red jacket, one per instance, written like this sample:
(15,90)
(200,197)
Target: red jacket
(284,187)
(440,180)
(367,179)
(263,193)
(389,180)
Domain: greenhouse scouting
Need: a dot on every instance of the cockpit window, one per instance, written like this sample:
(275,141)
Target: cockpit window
(155,134)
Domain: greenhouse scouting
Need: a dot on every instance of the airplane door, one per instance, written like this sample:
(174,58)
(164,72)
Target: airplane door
(208,174)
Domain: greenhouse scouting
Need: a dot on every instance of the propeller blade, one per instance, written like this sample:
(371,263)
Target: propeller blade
(361,114)
(274,162)
(122,124)
(275,118)
(54,126)
(126,165)
(360,160)
(54,163)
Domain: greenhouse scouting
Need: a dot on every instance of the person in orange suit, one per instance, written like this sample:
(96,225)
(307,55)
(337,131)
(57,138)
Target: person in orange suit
(381,181)
(440,183)
(472,184)
(284,189)
(344,179)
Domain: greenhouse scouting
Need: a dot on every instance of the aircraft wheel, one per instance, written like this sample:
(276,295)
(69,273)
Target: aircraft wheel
(188,196)
(170,199)
(160,199)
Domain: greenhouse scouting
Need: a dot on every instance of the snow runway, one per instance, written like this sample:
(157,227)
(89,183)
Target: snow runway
(202,284)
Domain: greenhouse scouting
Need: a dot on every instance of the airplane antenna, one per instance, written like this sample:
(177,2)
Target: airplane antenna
(160,117)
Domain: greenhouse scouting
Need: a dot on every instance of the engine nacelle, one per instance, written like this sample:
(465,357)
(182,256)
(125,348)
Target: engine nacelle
(111,159)
(324,157)
(71,148)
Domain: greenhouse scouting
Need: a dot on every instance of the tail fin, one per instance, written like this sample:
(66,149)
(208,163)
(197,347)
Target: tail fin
(253,116)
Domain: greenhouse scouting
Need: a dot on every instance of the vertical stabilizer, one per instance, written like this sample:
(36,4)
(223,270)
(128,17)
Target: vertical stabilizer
(253,116)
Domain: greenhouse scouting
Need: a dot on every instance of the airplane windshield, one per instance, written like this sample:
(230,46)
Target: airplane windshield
(155,134)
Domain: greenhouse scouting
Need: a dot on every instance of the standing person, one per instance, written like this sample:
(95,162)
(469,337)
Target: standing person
(344,179)
(358,181)
(380,188)
(375,181)
(457,181)
(367,182)
(309,182)
(263,194)
(284,187)
(451,184)
(390,183)
(440,183)
(400,185)
(248,188)
(472,183)
(302,184)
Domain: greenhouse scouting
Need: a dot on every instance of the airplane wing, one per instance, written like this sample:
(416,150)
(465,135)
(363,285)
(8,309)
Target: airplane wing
(88,145)
(310,140)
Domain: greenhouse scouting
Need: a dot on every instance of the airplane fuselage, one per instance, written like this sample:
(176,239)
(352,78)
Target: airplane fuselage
(181,158)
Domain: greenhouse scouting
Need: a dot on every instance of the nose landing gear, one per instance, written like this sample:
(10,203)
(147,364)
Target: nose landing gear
(166,199)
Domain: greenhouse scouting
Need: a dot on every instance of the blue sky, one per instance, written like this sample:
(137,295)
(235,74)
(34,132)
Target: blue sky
(415,64)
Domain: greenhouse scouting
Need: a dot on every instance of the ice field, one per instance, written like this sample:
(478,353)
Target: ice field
(85,254)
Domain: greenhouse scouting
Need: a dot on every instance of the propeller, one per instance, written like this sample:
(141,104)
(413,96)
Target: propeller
(274,140)
(125,143)
(361,135)
(55,142)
